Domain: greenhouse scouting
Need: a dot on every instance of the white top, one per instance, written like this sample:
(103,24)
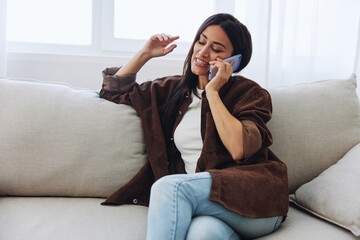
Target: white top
(187,135)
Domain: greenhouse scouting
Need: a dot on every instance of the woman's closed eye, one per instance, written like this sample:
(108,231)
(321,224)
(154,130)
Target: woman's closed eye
(214,47)
(217,50)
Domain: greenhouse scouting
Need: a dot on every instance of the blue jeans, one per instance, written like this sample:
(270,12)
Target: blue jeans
(180,208)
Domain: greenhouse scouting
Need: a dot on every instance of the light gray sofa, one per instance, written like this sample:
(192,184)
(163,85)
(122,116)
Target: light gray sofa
(63,150)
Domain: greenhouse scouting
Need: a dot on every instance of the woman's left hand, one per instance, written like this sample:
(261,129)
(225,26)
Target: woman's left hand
(224,71)
(230,129)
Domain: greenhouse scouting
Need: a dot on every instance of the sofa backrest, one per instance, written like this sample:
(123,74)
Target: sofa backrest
(314,125)
(59,141)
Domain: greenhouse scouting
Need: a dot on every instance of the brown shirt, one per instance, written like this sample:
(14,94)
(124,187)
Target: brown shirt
(256,186)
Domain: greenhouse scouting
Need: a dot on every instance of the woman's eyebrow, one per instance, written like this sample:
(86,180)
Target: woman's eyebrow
(217,43)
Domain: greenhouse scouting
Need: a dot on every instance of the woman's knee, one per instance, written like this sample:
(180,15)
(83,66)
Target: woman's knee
(207,227)
(161,184)
(162,188)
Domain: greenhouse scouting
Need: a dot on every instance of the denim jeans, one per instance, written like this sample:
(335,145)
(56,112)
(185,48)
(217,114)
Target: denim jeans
(180,208)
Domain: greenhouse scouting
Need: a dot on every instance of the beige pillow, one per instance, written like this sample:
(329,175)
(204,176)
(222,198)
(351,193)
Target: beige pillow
(314,125)
(335,194)
(59,141)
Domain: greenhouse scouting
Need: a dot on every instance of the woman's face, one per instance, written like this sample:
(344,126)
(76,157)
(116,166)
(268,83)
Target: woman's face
(213,43)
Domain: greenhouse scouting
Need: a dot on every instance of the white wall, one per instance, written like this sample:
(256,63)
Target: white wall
(85,71)
(81,71)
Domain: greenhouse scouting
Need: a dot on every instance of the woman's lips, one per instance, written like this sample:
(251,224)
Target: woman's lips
(201,63)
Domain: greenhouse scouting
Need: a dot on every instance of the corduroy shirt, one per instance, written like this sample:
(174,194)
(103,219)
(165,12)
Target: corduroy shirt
(256,186)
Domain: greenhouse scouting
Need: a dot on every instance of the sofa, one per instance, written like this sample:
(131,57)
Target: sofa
(63,150)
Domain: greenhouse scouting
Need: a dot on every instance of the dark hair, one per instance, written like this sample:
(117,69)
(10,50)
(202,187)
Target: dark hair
(240,39)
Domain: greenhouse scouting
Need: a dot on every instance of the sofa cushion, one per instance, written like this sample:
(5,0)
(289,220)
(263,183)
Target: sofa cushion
(59,141)
(56,218)
(335,194)
(300,225)
(84,218)
(314,125)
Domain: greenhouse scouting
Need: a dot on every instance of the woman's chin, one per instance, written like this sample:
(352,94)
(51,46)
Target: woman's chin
(200,72)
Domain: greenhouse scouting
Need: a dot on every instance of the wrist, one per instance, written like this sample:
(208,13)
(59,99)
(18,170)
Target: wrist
(212,94)
(143,56)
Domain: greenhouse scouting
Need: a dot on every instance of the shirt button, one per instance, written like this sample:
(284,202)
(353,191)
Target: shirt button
(135,201)
(180,113)
(171,139)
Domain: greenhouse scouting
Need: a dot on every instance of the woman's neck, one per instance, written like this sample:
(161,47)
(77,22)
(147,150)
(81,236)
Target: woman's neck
(203,81)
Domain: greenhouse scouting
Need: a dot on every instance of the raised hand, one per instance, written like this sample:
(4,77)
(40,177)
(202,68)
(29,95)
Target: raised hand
(159,45)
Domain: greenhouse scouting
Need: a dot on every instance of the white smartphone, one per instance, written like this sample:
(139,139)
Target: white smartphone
(237,61)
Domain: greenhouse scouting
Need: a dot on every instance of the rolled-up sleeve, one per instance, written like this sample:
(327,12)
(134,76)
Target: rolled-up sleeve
(114,86)
(254,113)
(252,140)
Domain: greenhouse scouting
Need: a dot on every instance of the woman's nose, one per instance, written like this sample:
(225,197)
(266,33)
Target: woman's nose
(204,51)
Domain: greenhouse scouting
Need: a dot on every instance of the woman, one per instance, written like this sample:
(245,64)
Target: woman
(207,140)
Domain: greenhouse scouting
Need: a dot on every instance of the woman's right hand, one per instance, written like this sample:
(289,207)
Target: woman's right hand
(158,45)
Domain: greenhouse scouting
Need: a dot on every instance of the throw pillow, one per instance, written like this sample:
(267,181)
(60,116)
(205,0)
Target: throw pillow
(334,195)
(308,119)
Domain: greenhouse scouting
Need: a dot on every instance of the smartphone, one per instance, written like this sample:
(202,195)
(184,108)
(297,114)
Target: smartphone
(237,60)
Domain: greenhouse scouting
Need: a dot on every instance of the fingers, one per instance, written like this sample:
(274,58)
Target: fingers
(163,37)
(224,69)
(170,49)
(160,44)
(165,40)
(222,65)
